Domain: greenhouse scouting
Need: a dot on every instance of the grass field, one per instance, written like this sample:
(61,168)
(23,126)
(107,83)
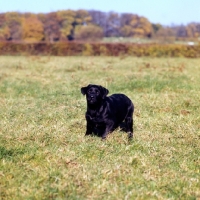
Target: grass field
(43,151)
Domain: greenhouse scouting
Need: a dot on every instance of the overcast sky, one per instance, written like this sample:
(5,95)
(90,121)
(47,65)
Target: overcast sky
(166,12)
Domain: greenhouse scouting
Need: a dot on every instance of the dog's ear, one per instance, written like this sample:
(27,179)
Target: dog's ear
(104,92)
(84,90)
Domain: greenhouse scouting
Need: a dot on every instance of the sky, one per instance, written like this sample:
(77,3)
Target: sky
(165,12)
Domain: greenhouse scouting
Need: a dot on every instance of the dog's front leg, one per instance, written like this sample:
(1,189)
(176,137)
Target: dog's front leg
(109,128)
(129,125)
(89,128)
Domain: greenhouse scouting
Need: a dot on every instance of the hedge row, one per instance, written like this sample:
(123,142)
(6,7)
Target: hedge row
(100,49)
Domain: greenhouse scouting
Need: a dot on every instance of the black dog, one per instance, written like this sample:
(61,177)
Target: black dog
(104,114)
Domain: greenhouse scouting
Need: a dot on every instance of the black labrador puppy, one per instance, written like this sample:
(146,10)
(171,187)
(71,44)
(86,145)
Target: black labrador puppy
(104,114)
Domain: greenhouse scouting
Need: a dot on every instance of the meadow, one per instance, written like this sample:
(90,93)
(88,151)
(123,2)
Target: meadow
(43,151)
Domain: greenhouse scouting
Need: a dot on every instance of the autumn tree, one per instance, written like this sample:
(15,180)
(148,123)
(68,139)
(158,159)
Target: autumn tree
(112,25)
(82,18)
(125,25)
(156,27)
(89,32)
(14,25)
(4,33)
(32,29)
(66,19)
(166,34)
(81,24)
(98,18)
(51,26)
(135,26)
(193,30)
(181,31)
(4,29)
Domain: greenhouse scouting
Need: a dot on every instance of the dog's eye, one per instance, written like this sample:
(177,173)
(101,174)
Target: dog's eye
(97,92)
(89,91)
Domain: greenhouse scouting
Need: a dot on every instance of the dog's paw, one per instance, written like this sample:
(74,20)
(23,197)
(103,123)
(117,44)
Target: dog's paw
(130,135)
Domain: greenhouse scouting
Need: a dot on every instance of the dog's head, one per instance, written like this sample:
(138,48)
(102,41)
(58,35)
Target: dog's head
(94,93)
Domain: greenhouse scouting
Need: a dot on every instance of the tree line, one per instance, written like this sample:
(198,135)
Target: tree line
(86,25)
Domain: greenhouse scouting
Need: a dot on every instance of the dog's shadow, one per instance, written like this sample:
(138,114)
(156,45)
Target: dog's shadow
(99,132)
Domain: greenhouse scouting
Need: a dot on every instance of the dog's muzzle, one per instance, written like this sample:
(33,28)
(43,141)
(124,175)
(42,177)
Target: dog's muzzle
(92,99)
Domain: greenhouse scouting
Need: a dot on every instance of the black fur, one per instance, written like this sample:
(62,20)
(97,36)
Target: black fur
(104,114)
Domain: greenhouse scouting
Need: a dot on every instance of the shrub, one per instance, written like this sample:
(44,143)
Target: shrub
(98,49)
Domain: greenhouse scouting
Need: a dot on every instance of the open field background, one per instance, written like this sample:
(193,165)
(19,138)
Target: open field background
(43,151)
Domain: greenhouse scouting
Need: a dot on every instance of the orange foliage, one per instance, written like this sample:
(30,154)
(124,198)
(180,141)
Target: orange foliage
(33,30)
(69,25)
(89,32)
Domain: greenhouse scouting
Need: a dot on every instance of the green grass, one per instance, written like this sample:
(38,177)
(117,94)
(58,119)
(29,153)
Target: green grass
(43,151)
